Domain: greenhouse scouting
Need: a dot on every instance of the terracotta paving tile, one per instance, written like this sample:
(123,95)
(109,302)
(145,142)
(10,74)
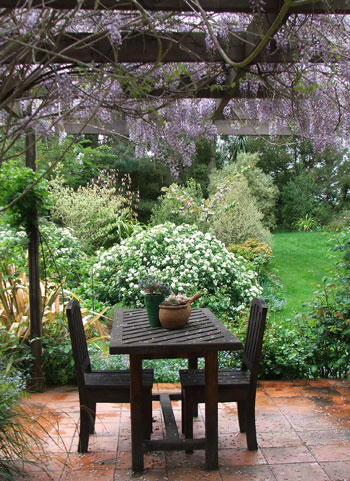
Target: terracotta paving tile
(277,440)
(240,457)
(282,389)
(328,437)
(108,407)
(106,474)
(67,407)
(179,459)
(42,476)
(318,390)
(90,461)
(262,399)
(337,471)
(169,387)
(48,463)
(248,473)
(193,474)
(57,444)
(151,460)
(103,443)
(303,430)
(275,422)
(292,401)
(124,443)
(289,454)
(309,420)
(299,472)
(232,441)
(147,475)
(337,452)
(64,397)
(106,428)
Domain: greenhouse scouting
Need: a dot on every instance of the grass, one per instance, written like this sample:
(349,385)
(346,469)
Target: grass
(301,260)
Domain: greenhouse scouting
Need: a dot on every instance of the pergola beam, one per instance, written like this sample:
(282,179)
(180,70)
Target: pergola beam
(224,127)
(237,6)
(140,48)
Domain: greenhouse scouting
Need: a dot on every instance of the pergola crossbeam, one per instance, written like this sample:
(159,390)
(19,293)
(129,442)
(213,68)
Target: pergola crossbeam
(141,48)
(224,127)
(235,6)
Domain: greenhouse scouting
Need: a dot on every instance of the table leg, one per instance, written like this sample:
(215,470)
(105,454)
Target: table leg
(211,410)
(137,421)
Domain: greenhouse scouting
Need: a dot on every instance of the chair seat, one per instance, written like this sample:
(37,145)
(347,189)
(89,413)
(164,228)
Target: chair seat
(195,378)
(115,379)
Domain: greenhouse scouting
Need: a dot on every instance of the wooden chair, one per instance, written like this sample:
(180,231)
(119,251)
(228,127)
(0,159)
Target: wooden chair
(108,386)
(234,385)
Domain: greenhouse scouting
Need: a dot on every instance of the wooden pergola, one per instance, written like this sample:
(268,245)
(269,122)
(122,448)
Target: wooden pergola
(254,45)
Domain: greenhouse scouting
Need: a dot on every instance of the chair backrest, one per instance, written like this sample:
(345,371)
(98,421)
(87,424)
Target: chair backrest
(254,338)
(78,340)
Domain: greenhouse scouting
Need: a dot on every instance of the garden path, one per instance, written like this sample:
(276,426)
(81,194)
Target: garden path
(303,433)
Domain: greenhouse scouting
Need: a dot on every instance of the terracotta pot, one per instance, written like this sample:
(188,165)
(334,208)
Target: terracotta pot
(176,317)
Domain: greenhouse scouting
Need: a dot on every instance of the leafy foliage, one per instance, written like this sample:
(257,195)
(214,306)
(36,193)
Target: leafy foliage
(258,253)
(181,205)
(230,210)
(14,180)
(107,218)
(189,260)
(305,224)
(329,316)
(240,218)
(261,185)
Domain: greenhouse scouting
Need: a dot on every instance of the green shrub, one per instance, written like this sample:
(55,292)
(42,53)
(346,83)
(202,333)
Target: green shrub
(62,255)
(237,217)
(329,316)
(189,260)
(299,198)
(260,185)
(14,180)
(258,253)
(305,224)
(12,386)
(97,216)
(180,204)
(340,221)
(286,350)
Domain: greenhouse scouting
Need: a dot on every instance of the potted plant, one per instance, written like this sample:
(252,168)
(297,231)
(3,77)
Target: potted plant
(155,292)
(175,310)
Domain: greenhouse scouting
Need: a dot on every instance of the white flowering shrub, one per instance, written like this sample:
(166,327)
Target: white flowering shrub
(189,260)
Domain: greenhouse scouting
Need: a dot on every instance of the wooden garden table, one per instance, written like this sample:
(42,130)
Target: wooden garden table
(203,336)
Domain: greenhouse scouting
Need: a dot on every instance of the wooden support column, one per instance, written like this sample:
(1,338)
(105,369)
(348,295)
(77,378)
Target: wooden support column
(37,381)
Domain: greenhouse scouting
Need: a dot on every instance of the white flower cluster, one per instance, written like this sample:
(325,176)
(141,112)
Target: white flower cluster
(188,260)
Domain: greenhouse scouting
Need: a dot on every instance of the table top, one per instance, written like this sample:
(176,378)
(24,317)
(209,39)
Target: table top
(132,334)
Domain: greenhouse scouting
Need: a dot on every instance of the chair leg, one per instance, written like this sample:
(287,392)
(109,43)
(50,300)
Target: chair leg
(187,420)
(242,415)
(251,428)
(92,415)
(148,414)
(85,423)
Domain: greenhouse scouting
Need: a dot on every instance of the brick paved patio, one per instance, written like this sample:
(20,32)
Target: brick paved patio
(303,434)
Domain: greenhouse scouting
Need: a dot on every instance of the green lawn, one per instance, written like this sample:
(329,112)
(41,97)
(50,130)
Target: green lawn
(301,260)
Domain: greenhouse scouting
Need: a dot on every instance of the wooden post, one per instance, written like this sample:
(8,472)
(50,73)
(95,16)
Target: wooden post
(37,381)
